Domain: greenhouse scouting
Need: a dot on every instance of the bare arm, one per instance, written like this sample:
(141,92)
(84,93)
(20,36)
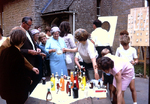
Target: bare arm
(134,62)
(95,68)
(70,50)
(77,62)
(119,87)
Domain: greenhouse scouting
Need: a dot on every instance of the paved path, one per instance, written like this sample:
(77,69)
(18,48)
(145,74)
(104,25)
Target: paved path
(142,89)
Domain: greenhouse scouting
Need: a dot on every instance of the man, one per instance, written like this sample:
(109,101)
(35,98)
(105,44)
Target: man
(31,52)
(100,37)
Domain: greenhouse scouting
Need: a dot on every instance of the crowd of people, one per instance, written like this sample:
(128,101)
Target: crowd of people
(28,55)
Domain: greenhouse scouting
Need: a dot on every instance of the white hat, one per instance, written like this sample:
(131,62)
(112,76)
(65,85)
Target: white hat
(55,29)
(34,31)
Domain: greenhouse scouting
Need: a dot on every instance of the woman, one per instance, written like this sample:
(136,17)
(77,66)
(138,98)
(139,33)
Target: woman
(87,51)
(54,47)
(123,72)
(69,40)
(14,84)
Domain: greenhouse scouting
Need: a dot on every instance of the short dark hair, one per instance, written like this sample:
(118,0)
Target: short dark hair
(104,63)
(64,28)
(17,36)
(1,31)
(47,29)
(26,19)
(124,32)
(81,34)
(97,23)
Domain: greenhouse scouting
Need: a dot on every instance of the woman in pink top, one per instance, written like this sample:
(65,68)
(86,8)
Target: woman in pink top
(122,71)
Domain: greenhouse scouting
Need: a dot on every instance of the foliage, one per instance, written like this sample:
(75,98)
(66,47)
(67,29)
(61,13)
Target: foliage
(139,68)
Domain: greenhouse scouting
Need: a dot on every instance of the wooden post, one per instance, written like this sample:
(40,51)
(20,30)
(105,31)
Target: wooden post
(144,58)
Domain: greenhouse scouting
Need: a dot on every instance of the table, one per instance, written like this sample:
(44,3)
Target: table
(40,92)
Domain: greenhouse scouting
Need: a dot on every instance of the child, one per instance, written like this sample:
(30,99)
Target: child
(129,53)
(107,77)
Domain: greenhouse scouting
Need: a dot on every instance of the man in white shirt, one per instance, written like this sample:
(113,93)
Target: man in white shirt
(100,37)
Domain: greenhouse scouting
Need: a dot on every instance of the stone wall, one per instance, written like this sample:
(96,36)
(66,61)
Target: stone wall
(85,13)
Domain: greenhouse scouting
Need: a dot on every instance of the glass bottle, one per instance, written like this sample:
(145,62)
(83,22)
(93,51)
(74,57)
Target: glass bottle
(75,90)
(69,90)
(62,83)
(56,80)
(52,82)
(72,79)
(67,87)
(83,82)
(48,95)
(76,78)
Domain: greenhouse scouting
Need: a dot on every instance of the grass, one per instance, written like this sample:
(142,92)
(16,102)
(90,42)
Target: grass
(139,68)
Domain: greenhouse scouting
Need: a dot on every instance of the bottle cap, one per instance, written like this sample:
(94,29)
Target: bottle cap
(74,81)
(71,72)
(83,72)
(48,89)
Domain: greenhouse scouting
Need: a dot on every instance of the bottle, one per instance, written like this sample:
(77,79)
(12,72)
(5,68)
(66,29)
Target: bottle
(62,83)
(91,85)
(76,70)
(76,78)
(56,80)
(58,86)
(69,90)
(52,82)
(99,84)
(67,87)
(48,95)
(72,79)
(83,82)
(75,90)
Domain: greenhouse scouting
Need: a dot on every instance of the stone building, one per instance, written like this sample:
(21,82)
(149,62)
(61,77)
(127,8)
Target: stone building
(79,13)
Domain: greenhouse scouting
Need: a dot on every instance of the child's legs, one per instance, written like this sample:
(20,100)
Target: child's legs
(133,91)
(114,95)
(123,102)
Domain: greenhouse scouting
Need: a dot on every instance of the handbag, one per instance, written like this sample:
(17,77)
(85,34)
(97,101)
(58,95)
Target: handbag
(68,59)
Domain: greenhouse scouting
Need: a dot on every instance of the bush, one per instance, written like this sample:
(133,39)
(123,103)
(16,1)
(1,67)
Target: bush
(139,68)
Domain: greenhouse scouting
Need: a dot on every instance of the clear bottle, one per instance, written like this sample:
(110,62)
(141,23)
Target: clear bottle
(56,80)
(83,82)
(48,95)
(72,80)
(52,82)
(75,90)
(62,83)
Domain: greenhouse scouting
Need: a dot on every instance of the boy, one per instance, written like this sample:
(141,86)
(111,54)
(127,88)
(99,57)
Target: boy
(129,53)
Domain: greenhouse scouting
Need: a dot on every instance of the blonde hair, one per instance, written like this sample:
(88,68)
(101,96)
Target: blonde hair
(105,51)
(41,35)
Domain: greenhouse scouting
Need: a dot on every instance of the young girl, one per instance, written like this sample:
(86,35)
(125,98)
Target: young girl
(123,72)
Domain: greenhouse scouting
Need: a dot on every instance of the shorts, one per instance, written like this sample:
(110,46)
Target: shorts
(108,79)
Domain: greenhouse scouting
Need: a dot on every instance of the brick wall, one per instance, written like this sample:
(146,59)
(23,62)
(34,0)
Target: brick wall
(14,12)
(121,8)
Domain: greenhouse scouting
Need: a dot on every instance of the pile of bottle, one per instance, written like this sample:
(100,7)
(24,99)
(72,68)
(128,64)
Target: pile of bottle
(74,82)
